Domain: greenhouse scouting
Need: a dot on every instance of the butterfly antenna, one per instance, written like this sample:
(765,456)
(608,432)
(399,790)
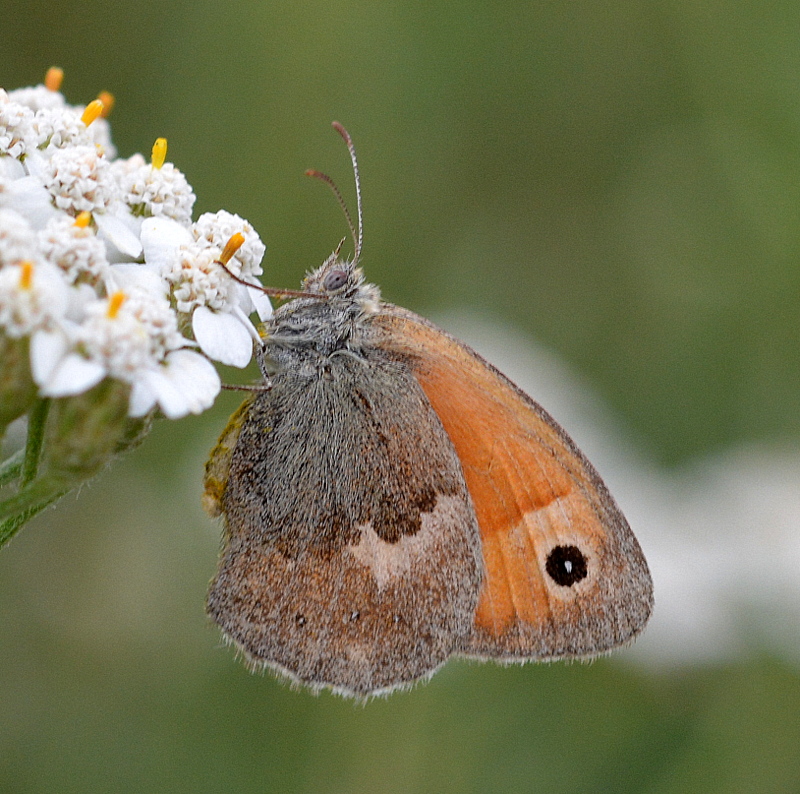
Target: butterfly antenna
(357,241)
(336,192)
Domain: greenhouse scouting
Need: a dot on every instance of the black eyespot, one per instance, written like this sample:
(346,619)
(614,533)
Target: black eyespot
(300,619)
(334,279)
(566,565)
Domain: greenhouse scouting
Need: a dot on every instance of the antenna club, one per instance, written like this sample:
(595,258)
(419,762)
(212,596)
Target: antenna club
(342,131)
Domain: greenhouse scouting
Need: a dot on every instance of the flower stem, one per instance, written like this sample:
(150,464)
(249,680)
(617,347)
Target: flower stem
(37,418)
(33,496)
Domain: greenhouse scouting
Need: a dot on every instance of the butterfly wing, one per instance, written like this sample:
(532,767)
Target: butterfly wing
(565,576)
(351,556)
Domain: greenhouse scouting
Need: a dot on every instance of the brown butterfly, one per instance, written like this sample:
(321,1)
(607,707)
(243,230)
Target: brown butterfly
(391,500)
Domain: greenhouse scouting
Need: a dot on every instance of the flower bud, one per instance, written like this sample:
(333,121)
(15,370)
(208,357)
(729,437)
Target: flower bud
(86,431)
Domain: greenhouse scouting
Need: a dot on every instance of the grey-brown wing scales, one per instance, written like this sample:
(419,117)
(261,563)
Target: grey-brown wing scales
(352,554)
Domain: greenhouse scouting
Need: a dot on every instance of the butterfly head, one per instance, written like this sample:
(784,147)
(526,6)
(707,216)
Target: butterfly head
(340,281)
(331,317)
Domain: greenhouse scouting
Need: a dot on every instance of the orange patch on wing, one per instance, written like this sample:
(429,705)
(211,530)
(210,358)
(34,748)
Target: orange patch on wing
(521,470)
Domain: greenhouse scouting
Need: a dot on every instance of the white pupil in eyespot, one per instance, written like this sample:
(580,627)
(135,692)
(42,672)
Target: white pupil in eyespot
(567,566)
(335,279)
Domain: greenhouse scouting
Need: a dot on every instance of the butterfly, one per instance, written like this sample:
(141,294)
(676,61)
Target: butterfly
(392,500)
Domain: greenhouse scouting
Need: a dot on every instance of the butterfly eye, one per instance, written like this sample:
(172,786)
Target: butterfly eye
(566,565)
(334,279)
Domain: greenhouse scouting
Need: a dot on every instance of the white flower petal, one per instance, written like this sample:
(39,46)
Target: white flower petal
(245,321)
(261,302)
(36,165)
(198,379)
(11,168)
(121,212)
(117,233)
(222,337)
(29,198)
(142,400)
(161,239)
(187,383)
(48,348)
(80,297)
(170,398)
(243,300)
(126,276)
(74,375)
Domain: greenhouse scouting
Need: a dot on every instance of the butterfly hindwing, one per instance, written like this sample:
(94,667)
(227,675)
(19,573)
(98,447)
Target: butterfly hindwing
(351,556)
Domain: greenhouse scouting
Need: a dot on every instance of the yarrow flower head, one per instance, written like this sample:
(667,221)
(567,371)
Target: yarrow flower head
(158,189)
(32,297)
(102,272)
(17,238)
(112,302)
(80,179)
(73,246)
(217,305)
(17,132)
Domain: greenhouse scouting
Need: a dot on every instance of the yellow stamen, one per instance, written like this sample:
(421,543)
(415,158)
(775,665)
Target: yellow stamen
(83,220)
(115,301)
(159,152)
(107,98)
(93,111)
(26,276)
(53,78)
(231,247)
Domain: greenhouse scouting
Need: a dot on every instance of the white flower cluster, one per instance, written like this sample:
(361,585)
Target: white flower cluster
(102,269)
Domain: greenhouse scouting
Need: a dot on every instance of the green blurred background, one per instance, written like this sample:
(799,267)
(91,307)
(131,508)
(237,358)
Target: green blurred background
(620,181)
